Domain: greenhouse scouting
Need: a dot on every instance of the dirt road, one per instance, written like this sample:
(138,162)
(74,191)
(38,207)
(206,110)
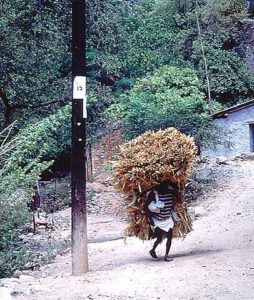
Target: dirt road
(216,260)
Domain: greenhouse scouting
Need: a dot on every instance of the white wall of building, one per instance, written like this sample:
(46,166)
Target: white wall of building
(237,127)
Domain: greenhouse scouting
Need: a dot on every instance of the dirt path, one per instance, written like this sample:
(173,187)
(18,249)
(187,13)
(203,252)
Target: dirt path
(216,260)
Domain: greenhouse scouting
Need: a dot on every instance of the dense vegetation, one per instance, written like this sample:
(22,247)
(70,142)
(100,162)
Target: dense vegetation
(145,67)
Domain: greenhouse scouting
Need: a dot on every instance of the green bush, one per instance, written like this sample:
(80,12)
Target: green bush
(16,191)
(13,214)
(170,97)
(20,169)
(12,258)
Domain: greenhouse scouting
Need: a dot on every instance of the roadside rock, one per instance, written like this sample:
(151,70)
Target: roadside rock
(17,274)
(199,211)
(43,222)
(204,173)
(221,160)
(26,272)
(41,229)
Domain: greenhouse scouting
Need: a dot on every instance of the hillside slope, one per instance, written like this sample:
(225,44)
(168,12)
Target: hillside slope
(216,260)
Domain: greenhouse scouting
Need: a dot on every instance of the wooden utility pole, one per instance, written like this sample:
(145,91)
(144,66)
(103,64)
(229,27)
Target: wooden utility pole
(78,159)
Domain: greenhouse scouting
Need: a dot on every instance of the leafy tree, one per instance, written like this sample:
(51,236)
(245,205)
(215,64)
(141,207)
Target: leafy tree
(165,32)
(170,97)
(32,151)
(230,79)
(151,39)
(35,58)
(106,36)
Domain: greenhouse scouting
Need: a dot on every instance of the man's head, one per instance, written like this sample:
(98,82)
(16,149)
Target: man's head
(164,186)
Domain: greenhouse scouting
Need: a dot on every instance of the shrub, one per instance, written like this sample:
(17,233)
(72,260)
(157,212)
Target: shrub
(13,214)
(171,97)
(20,169)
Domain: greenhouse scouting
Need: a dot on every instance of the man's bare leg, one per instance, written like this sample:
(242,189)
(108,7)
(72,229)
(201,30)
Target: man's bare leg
(158,233)
(168,245)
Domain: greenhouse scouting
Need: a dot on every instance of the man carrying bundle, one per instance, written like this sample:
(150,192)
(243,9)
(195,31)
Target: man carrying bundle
(165,157)
(159,207)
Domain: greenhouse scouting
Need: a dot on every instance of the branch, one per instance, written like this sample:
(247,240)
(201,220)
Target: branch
(6,133)
(8,108)
(23,106)
(205,59)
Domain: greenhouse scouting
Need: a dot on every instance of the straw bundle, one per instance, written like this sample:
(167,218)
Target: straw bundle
(145,162)
(152,158)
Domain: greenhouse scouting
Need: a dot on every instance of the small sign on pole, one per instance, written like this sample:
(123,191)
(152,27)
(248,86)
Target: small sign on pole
(79,92)
(79,87)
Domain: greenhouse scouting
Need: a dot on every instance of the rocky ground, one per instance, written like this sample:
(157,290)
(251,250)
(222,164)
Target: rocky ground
(215,261)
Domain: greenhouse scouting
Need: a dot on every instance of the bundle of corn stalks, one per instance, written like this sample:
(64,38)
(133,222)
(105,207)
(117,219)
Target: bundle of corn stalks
(166,155)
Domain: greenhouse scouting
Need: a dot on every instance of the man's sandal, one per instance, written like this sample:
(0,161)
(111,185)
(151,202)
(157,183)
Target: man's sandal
(153,253)
(168,258)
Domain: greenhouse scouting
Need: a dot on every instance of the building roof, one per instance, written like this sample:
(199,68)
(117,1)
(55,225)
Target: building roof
(224,113)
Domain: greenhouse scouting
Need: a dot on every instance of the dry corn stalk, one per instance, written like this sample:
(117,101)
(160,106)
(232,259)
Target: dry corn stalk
(184,225)
(145,162)
(152,158)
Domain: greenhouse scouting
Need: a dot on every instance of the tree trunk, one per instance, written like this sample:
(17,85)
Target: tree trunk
(8,109)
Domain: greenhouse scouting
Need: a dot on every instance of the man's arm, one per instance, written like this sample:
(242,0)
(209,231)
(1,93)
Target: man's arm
(150,198)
